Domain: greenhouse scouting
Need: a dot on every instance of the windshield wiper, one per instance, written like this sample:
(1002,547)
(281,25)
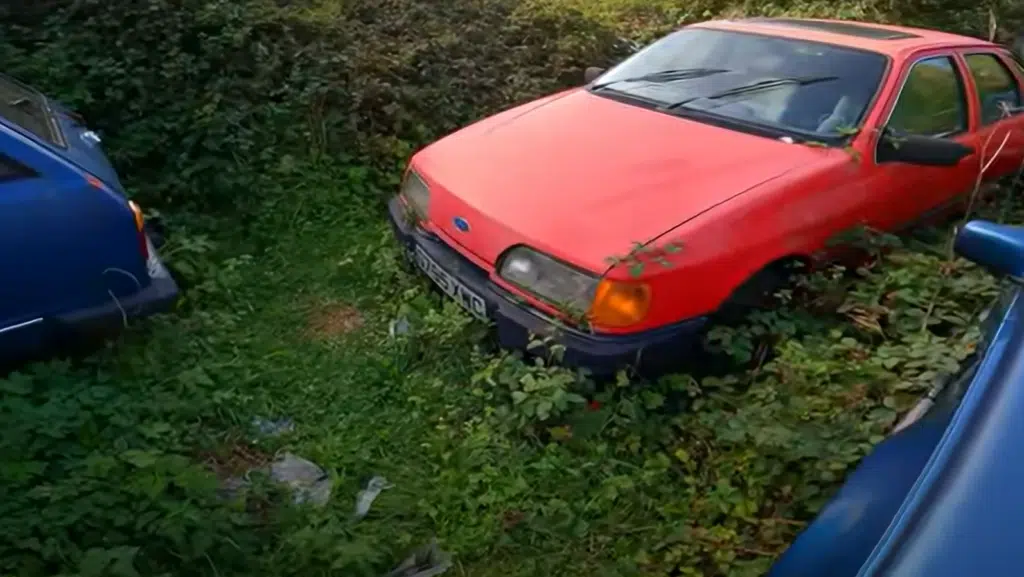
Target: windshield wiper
(755,87)
(666,76)
(771,83)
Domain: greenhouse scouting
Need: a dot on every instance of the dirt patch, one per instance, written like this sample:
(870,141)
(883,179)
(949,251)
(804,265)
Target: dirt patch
(330,320)
(234,459)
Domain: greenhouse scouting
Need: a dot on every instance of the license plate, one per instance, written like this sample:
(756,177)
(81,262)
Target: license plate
(469,300)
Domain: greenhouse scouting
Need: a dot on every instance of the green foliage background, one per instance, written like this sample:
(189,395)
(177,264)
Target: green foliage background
(269,134)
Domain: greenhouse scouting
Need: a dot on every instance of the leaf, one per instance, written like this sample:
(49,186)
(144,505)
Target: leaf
(139,458)
(890,363)
(562,433)
(544,410)
(575,398)
(118,561)
(636,269)
(519,396)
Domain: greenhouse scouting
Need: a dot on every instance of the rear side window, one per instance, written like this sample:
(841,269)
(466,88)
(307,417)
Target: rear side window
(26,108)
(11,169)
(932,101)
(998,90)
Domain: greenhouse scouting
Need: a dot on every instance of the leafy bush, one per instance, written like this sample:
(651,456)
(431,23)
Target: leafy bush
(198,98)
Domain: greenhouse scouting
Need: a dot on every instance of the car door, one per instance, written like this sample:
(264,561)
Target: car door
(932,100)
(997,94)
(66,241)
(21,311)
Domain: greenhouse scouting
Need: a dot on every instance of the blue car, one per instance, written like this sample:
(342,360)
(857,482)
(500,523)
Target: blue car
(938,498)
(74,254)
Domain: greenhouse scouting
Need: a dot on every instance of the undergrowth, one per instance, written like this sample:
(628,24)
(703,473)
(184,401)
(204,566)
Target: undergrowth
(269,136)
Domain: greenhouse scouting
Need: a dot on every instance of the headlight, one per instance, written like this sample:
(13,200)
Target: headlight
(416,193)
(549,279)
(606,302)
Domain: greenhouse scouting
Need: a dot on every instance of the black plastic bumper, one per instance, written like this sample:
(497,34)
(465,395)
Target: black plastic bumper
(159,296)
(663,347)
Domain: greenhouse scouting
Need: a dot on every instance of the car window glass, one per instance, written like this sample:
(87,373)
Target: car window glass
(815,88)
(12,170)
(1017,62)
(998,91)
(932,101)
(26,109)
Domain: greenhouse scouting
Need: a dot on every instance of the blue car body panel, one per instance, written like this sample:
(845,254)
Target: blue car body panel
(850,525)
(939,498)
(71,253)
(963,516)
(83,148)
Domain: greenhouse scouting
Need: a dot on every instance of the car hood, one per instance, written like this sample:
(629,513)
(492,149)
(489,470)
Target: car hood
(584,177)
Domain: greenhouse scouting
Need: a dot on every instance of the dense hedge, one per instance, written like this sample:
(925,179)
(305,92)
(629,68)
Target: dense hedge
(194,95)
(198,98)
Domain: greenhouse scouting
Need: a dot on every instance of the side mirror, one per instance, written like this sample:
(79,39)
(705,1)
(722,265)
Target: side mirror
(997,247)
(591,74)
(921,150)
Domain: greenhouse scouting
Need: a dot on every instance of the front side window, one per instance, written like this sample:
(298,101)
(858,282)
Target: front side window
(791,85)
(998,92)
(27,109)
(932,101)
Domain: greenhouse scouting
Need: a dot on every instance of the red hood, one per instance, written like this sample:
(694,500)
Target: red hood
(583,177)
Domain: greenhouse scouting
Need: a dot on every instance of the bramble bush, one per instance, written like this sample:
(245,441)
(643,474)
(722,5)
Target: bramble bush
(199,99)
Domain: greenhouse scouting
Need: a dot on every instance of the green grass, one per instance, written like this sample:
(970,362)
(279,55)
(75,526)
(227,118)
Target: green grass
(109,461)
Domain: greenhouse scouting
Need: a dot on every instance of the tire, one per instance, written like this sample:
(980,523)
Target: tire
(757,292)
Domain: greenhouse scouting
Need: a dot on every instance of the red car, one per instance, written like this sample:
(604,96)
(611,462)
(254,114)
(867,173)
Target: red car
(683,181)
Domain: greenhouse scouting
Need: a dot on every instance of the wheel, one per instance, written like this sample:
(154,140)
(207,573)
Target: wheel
(758,291)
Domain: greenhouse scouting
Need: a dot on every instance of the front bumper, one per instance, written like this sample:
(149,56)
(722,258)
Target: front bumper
(660,348)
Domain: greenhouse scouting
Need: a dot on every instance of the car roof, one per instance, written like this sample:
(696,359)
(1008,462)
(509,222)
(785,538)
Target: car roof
(963,515)
(883,38)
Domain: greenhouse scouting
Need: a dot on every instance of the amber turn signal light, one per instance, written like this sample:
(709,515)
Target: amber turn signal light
(619,303)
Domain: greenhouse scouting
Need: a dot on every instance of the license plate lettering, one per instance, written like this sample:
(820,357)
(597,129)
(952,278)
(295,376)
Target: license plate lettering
(469,300)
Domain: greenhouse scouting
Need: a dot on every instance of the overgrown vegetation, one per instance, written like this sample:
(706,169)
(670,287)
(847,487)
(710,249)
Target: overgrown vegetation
(269,134)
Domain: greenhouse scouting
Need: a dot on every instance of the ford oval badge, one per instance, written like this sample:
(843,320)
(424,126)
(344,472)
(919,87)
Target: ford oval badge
(461,224)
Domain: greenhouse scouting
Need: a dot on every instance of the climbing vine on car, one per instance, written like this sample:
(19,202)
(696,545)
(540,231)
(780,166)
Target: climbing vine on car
(641,255)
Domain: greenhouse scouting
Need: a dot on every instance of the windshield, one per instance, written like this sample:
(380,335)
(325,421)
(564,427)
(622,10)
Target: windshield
(795,85)
(26,108)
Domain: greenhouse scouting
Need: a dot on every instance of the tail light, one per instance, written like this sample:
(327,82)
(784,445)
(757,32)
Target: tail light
(140,226)
(140,220)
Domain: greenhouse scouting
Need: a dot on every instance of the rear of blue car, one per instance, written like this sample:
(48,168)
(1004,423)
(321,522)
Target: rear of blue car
(74,254)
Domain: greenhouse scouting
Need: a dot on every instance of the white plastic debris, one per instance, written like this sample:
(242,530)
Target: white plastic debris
(272,427)
(399,327)
(427,562)
(366,497)
(309,483)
